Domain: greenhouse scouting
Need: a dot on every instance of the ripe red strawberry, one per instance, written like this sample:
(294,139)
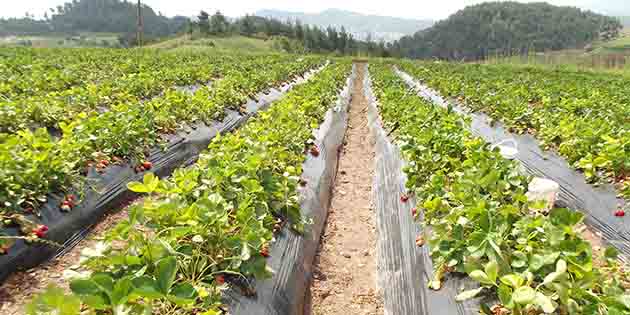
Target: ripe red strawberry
(43,228)
(264,251)
(71,197)
(414,211)
(220,279)
(147,165)
(104,162)
(315,151)
(404,198)
(67,203)
(620,213)
(39,233)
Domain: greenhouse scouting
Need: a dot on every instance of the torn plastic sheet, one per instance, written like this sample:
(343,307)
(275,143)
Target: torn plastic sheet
(292,254)
(109,191)
(404,269)
(597,203)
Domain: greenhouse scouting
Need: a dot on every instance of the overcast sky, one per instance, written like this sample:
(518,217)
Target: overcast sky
(432,9)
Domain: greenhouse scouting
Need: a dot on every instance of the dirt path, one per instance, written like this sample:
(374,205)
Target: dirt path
(345,276)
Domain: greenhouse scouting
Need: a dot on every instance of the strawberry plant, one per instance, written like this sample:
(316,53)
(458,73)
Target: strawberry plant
(479,222)
(583,115)
(35,163)
(213,222)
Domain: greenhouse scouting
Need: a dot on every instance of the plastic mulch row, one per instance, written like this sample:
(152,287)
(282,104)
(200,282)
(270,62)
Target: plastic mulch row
(109,191)
(292,254)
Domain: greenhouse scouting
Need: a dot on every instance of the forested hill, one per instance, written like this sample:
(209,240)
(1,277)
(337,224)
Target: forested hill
(507,28)
(114,16)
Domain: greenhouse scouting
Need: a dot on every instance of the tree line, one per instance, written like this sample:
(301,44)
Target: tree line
(507,28)
(310,38)
(120,16)
(111,16)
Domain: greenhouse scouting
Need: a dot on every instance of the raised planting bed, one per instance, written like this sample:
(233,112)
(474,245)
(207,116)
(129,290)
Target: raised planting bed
(105,186)
(477,222)
(209,230)
(599,203)
(583,116)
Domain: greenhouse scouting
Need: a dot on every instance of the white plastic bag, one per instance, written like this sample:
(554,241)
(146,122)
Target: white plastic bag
(546,190)
(507,151)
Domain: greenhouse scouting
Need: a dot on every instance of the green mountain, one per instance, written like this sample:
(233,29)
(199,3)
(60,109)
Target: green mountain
(508,28)
(361,26)
(111,16)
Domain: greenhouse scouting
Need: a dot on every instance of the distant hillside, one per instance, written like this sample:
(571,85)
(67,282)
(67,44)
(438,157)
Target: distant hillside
(508,28)
(360,25)
(112,16)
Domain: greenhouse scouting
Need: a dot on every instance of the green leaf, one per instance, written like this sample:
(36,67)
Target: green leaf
(505,294)
(611,252)
(565,217)
(151,181)
(137,187)
(481,277)
(84,287)
(536,262)
(122,289)
(147,287)
(104,282)
(469,294)
(54,301)
(524,295)
(95,301)
(149,184)
(492,271)
(624,300)
(513,280)
(551,277)
(166,271)
(544,302)
(183,294)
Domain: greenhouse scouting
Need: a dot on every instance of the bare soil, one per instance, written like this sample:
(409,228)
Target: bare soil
(20,288)
(345,279)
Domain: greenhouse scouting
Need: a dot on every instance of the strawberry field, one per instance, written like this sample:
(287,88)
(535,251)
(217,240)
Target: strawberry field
(477,220)
(95,113)
(53,135)
(584,116)
(234,158)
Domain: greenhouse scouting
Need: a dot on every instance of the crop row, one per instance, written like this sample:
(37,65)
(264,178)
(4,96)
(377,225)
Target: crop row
(211,222)
(34,163)
(477,219)
(154,73)
(28,72)
(584,116)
